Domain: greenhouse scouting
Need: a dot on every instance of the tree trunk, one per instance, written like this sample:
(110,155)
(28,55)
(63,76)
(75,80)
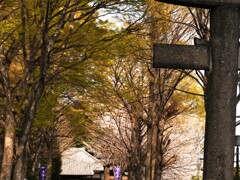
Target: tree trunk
(155,150)
(136,163)
(8,152)
(36,158)
(29,117)
(18,169)
(9,126)
(152,165)
(107,172)
(149,153)
(49,162)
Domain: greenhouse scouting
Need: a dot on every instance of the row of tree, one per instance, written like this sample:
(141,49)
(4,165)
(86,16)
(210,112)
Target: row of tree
(44,48)
(147,111)
(65,69)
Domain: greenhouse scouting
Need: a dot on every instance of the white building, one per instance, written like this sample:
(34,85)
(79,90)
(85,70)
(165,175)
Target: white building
(78,163)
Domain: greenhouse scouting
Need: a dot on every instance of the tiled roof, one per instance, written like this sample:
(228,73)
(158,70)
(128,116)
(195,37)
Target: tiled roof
(76,161)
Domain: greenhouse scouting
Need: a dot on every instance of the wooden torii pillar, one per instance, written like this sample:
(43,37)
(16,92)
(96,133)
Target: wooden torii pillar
(220,57)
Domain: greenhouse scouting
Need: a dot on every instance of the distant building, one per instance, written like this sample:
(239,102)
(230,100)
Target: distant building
(79,164)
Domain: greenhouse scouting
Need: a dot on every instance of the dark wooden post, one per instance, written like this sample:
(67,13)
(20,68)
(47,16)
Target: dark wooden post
(221,95)
(203,3)
(237,163)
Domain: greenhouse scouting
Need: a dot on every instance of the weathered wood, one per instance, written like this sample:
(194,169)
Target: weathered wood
(181,56)
(221,94)
(237,140)
(203,3)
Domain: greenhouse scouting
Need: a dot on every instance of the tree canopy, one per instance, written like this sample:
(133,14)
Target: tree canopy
(72,71)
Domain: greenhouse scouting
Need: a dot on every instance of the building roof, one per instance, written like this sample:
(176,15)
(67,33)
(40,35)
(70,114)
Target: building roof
(77,161)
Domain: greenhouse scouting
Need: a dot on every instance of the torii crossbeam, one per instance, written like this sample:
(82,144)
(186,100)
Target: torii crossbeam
(203,3)
(221,58)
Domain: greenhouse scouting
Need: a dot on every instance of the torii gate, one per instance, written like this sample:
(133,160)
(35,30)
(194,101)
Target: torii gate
(220,57)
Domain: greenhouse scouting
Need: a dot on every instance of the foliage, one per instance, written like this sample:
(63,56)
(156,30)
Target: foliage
(44,47)
(126,97)
(66,69)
